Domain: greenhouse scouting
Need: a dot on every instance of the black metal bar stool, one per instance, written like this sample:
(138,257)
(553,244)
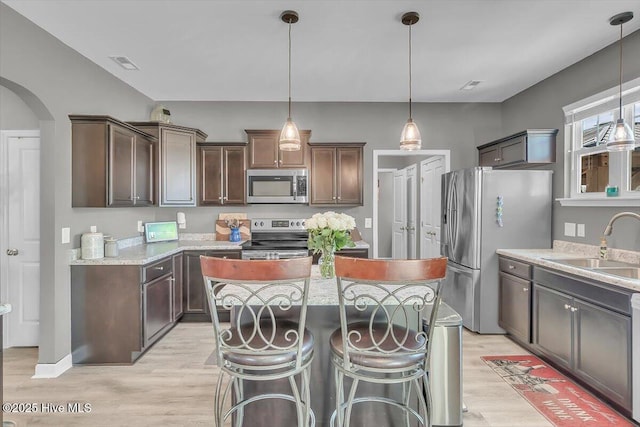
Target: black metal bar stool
(389,346)
(259,346)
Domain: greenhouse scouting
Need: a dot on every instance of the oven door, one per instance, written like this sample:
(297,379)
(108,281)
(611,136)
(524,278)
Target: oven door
(275,254)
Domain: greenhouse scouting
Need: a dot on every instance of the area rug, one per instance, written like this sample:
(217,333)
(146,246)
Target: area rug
(559,399)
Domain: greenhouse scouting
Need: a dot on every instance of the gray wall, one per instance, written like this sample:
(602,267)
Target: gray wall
(14,113)
(541,107)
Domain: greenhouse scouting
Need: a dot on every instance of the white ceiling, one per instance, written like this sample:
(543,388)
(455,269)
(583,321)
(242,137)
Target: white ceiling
(343,50)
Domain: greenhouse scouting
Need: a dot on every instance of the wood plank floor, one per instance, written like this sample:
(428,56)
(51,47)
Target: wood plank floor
(171,386)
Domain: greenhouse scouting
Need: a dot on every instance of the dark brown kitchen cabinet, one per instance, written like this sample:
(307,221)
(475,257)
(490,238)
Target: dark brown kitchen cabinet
(176,161)
(514,313)
(112,163)
(265,154)
(196,306)
(177,262)
(119,311)
(336,174)
(531,147)
(222,174)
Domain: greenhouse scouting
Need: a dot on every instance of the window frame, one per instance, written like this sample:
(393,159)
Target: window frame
(619,162)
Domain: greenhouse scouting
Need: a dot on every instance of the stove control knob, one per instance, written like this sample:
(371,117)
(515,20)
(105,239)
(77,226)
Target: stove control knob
(298,223)
(292,223)
(261,223)
(255,223)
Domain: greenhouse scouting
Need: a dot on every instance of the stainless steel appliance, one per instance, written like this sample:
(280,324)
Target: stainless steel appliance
(483,210)
(277,186)
(276,239)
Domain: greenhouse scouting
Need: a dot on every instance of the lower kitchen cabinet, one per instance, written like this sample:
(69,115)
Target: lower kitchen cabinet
(514,314)
(196,306)
(178,305)
(586,329)
(119,311)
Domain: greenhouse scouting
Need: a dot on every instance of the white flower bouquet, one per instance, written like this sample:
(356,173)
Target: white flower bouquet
(329,232)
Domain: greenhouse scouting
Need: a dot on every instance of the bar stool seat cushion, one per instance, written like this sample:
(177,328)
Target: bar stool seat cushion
(281,339)
(381,360)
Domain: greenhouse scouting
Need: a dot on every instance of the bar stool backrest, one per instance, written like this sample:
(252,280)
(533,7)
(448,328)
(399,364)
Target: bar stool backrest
(394,295)
(257,290)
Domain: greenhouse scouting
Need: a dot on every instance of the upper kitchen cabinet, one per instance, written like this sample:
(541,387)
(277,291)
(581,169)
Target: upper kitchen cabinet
(112,163)
(221,174)
(176,161)
(336,174)
(265,154)
(531,147)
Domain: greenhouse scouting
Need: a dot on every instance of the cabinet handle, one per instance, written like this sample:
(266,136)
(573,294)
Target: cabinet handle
(512,267)
(339,198)
(137,197)
(333,198)
(574,309)
(219,197)
(402,228)
(280,161)
(525,289)
(497,159)
(567,307)
(224,257)
(159,268)
(225,198)
(275,162)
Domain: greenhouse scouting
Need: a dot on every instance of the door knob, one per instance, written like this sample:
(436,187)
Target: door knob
(402,228)
(12,252)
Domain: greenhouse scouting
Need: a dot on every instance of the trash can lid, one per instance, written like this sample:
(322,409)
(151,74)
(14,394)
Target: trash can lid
(447,316)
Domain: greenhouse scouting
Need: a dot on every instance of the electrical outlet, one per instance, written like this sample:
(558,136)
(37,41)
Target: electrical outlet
(66,235)
(140,227)
(570,229)
(93,228)
(367,223)
(580,230)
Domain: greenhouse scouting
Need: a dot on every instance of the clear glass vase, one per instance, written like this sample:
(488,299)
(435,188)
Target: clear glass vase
(325,262)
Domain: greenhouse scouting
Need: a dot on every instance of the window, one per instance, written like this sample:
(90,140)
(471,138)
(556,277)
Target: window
(589,167)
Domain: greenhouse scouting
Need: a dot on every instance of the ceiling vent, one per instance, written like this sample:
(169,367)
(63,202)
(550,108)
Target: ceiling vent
(124,62)
(471,84)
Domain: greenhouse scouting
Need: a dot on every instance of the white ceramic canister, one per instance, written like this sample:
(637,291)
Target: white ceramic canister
(92,245)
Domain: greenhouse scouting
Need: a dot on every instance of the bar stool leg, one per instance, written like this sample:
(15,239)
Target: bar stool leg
(338,377)
(425,401)
(297,400)
(306,388)
(239,391)
(406,395)
(349,404)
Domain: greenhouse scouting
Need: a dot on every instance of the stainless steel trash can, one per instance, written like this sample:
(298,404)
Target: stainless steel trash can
(445,369)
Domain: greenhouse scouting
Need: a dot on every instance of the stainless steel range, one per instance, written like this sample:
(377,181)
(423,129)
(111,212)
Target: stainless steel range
(276,239)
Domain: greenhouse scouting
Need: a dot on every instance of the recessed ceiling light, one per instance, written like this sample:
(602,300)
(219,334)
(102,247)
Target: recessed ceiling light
(471,84)
(125,62)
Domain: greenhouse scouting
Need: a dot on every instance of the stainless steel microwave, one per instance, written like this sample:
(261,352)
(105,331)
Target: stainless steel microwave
(277,186)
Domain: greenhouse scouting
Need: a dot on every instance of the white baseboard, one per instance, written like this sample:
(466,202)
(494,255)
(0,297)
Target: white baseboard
(53,370)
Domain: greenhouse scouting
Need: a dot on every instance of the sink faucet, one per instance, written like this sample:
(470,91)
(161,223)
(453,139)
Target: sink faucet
(609,228)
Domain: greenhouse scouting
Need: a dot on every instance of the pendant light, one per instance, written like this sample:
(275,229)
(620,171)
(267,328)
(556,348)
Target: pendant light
(621,137)
(410,137)
(289,137)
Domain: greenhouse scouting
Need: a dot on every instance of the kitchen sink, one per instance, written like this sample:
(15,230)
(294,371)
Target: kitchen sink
(627,272)
(591,262)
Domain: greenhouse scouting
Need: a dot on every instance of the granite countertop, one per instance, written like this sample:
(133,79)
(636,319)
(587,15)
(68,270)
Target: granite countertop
(146,253)
(5,308)
(541,257)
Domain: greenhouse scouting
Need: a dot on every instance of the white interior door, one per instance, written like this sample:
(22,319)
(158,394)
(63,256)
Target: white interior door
(431,171)
(399,225)
(412,194)
(22,246)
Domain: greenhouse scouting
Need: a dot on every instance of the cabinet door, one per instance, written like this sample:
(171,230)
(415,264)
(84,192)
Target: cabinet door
(121,155)
(177,168)
(234,177)
(143,172)
(489,156)
(210,175)
(349,175)
(294,159)
(323,175)
(513,151)
(515,309)
(194,293)
(157,308)
(263,150)
(177,287)
(603,353)
(552,324)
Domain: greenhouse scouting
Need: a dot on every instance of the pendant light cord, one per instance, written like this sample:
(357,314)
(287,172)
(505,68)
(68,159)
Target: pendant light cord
(410,72)
(289,68)
(620,86)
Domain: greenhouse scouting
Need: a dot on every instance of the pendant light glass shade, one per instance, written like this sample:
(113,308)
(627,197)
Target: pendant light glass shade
(289,137)
(621,137)
(410,137)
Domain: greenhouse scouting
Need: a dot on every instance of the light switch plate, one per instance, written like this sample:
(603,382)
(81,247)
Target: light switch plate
(66,235)
(581,232)
(367,223)
(140,227)
(570,229)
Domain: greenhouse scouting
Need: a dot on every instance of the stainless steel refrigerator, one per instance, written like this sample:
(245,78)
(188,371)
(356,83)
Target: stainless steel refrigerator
(483,210)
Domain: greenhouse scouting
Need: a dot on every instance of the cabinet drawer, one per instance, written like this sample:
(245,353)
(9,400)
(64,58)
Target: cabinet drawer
(155,270)
(516,268)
